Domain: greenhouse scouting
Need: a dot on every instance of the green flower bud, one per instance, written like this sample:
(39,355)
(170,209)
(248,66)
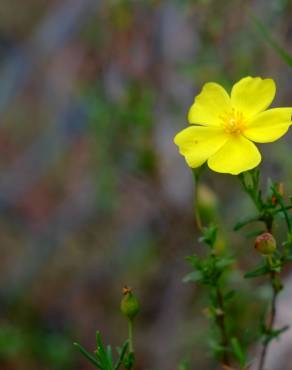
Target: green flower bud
(265,244)
(207,202)
(129,305)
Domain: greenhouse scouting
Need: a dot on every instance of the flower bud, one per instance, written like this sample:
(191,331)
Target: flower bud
(129,305)
(207,202)
(265,244)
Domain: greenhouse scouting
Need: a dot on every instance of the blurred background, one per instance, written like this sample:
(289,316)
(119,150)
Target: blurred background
(93,193)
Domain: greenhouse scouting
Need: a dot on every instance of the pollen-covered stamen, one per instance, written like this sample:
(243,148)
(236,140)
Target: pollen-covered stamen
(233,122)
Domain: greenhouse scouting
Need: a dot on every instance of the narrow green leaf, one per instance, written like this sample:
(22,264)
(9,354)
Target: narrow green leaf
(225,262)
(238,351)
(264,31)
(255,233)
(109,353)
(122,352)
(245,222)
(275,333)
(194,260)
(229,295)
(129,361)
(102,354)
(193,276)
(209,235)
(260,271)
(86,354)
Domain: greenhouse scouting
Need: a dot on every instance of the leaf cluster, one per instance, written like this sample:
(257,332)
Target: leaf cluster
(269,206)
(208,270)
(268,334)
(102,358)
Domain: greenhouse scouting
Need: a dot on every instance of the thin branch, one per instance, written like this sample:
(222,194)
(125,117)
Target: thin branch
(220,320)
(270,324)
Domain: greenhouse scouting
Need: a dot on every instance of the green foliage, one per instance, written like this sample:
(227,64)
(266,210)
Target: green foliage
(209,272)
(269,207)
(212,270)
(259,271)
(12,341)
(52,349)
(183,365)
(269,334)
(103,357)
(209,235)
(239,352)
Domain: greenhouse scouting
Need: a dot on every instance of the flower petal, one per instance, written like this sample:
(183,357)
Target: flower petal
(237,155)
(198,143)
(212,102)
(269,126)
(252,95)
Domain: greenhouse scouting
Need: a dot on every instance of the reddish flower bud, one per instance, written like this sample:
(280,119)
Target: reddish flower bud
(265,244)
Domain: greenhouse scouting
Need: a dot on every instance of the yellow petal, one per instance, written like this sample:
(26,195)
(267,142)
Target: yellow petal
(237,155)
(269,126)
(209,105)
(252,95)
(198,143)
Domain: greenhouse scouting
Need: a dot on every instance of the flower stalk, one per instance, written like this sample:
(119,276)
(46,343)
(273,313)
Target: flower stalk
(130,335)
(198,219)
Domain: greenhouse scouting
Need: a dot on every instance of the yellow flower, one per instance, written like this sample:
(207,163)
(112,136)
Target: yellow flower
(224,127)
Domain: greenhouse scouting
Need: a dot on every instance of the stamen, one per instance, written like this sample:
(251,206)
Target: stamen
(233,122)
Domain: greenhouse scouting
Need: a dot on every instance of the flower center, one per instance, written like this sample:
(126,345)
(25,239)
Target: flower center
(233,122)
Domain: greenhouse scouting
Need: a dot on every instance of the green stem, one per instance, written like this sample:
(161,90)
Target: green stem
(273,313)
(197,210)
(220,319)
(130,331)
(284,210)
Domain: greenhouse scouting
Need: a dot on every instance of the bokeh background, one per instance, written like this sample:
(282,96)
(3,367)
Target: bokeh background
(93,194)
